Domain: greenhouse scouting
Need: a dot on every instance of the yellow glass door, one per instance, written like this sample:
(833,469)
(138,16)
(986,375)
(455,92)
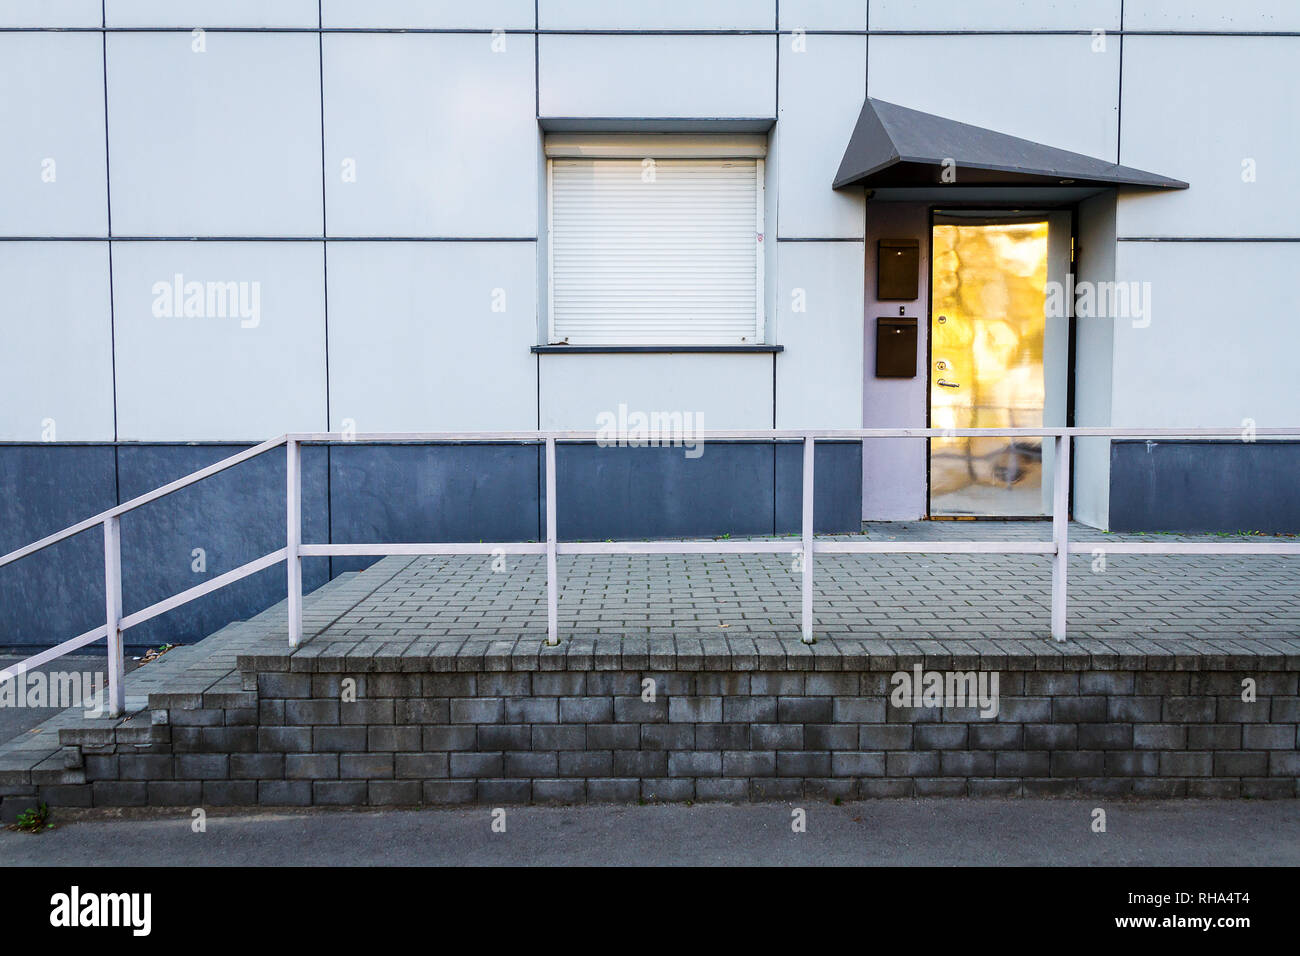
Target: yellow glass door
(996,360)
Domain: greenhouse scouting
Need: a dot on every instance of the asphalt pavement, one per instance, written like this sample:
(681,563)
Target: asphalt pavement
(933,832)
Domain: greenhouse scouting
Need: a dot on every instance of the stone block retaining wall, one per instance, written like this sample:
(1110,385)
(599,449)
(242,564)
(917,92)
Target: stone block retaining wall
(415,735)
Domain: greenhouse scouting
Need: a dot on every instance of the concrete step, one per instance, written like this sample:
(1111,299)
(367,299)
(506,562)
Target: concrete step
(52,754)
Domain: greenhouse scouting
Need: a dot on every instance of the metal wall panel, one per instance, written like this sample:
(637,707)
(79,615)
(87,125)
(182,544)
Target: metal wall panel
(1209,353)
(819,376)
(703,77)
(430,14)
(445,493)
(430,135)
(1012,84)
(626,493)
(1205,486)
(823,14)
(221,143)
(432,335)
(214,378)
(56,363)
(728,390)
(837,483)
(1027,15)
(661,15)
(211,13)
(1219,113)
(823,82)
(42,13)
(1243,15)
(57,593)
(52,171)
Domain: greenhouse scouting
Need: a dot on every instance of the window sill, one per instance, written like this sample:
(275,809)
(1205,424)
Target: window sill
(603,349)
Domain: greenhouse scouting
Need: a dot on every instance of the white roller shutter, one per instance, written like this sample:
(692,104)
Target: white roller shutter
(663,256)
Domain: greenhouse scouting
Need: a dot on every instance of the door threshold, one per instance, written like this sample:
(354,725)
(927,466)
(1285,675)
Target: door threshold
(988,518)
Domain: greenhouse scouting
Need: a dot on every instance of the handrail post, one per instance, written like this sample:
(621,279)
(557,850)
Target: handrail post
(808,447)
(293,537)
(1060,533)
(552,573)
(113,615)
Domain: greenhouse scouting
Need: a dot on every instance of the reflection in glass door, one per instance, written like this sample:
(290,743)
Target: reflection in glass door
(996,359)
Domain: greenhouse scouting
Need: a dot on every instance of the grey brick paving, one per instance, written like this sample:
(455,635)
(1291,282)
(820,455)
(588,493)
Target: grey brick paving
(461,601)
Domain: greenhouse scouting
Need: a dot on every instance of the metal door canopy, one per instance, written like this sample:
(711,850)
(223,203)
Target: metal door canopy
(896,147)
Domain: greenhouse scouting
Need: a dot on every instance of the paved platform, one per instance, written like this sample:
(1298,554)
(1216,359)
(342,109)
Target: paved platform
(931,597)
(715,613)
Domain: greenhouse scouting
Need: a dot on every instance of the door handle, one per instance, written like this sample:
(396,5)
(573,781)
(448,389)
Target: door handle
(947,384)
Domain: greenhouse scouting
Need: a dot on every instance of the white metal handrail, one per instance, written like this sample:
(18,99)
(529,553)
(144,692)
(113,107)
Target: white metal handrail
(1059,547)
(115,623)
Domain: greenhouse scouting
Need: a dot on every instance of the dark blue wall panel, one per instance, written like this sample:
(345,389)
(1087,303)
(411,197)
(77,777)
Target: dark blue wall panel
(57,593)
(1205,486)
(236,516)
(837,488)
(394,493)
(624,493)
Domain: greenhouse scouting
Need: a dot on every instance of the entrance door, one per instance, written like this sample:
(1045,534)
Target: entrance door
(997,358)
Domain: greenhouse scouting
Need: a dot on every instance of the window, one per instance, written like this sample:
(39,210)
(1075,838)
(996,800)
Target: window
(656,251)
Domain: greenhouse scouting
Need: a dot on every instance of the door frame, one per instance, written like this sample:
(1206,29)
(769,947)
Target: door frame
(1073,209)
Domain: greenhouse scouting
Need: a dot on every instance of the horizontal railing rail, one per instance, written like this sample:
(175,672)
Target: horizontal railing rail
(1058,548)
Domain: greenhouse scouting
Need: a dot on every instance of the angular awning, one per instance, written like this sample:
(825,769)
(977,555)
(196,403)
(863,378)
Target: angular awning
(893,146)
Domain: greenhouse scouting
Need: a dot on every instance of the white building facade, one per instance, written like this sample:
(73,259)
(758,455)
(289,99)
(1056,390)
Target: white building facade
(222,220)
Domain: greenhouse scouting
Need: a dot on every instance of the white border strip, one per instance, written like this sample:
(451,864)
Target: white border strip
(415,548)
(934,547)
(1185,547)
(770,434)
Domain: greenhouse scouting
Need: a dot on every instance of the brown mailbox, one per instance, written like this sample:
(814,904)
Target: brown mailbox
(898,264)
(896,347)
